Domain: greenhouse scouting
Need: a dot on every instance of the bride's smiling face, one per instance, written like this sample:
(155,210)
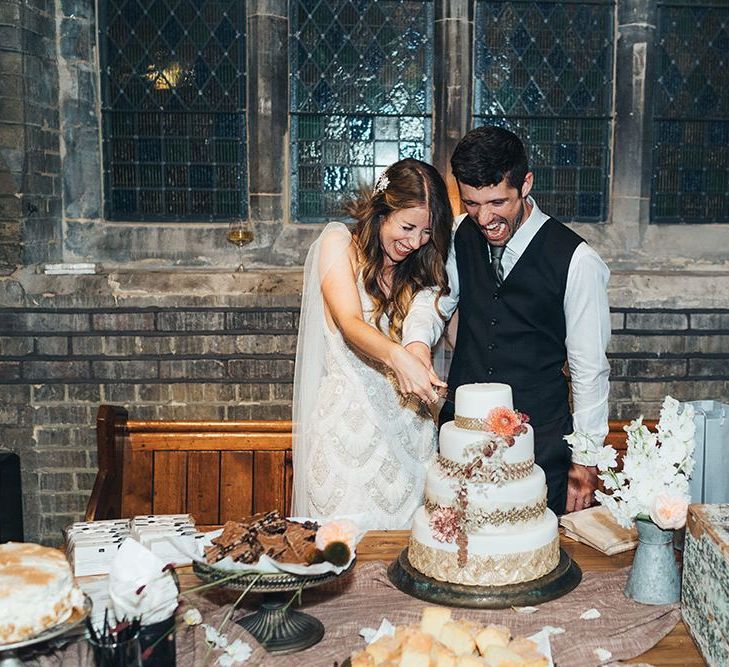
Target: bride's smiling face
(403,232)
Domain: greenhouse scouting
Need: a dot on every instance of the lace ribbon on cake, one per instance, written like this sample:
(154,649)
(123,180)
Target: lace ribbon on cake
(505,472)
(476,518)
(496,570)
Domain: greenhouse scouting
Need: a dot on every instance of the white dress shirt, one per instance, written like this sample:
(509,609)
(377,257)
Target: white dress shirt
(587,318)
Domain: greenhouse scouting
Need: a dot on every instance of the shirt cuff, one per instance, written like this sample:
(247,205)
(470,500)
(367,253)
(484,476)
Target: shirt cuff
(414,338)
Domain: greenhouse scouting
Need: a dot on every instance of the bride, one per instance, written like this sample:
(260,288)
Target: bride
(363,431)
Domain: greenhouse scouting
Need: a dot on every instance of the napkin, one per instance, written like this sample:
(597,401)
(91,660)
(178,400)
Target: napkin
(139,585)
(596,527)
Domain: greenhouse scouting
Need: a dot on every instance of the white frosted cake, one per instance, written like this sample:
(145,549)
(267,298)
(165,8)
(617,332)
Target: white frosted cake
(37,590)
(485,521)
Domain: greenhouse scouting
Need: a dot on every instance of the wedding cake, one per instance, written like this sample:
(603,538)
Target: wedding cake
(485,520)
(37,590)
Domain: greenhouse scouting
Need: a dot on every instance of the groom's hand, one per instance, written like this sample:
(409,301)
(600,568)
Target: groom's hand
(422,352)
(581,485)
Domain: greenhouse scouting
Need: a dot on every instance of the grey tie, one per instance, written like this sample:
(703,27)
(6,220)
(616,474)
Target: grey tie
(496,252)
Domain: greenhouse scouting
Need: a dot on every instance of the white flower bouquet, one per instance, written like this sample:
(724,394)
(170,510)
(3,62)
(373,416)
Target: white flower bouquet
(653,483)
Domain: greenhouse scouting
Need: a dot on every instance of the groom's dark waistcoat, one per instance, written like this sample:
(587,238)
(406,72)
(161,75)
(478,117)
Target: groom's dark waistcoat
(515,333)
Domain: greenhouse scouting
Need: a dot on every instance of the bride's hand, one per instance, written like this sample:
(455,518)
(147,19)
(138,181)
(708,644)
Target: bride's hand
(413,377)
(422,352)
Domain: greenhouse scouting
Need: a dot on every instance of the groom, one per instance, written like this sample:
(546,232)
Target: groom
(531,295)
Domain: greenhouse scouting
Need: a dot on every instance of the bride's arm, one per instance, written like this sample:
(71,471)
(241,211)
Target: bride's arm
(339,289)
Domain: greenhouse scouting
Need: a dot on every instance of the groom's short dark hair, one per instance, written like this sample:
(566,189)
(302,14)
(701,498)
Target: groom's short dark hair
(487,155)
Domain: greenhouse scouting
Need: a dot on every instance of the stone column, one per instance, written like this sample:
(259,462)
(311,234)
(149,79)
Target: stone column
(633,112)
(268,108)
(453,87)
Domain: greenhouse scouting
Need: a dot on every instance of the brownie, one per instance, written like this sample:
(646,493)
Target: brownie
(264,533)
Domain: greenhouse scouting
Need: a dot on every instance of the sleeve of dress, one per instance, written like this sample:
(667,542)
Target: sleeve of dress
(424,322)
(587,317)
(311,352)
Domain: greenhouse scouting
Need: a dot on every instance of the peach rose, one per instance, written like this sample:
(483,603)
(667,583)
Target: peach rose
(342,530)
(668,511)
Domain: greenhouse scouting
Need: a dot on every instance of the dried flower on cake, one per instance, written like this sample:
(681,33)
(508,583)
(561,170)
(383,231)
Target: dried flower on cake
(444,524)
(486,464)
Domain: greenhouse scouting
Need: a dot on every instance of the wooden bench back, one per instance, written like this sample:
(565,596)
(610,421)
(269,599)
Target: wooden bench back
(214,470)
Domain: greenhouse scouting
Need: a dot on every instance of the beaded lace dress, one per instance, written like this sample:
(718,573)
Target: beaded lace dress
(360,449)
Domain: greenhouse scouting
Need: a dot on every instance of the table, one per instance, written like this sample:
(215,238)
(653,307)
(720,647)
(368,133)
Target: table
(676,649)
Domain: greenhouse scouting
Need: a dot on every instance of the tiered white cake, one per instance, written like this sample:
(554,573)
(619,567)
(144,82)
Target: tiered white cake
(485,520)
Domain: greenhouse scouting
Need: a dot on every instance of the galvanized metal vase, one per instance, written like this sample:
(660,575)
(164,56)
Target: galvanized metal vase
(654,577)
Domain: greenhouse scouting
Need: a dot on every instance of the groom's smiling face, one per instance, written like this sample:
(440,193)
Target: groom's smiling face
(498,210)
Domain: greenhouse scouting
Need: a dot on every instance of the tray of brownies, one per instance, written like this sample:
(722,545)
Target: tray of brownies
(280,550)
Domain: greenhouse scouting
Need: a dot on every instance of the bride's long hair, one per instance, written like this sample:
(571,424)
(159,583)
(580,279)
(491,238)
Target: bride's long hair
(408,183)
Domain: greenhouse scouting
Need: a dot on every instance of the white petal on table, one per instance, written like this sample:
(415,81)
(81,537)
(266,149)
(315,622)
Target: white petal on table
(590,615)
(370,635)
(525,610)
(602,654)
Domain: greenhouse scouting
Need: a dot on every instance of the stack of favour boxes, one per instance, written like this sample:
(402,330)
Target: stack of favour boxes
(705,588)
(92,545)
(172,537)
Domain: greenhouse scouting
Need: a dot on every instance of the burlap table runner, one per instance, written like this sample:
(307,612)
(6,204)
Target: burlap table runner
(363,598)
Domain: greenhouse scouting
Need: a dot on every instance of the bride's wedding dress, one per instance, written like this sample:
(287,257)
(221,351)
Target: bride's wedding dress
(360,449)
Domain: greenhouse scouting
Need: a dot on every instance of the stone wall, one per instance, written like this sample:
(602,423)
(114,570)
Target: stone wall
(30,158)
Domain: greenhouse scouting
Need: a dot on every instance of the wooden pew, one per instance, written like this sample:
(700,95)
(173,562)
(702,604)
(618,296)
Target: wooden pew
(618,438)
(215,470)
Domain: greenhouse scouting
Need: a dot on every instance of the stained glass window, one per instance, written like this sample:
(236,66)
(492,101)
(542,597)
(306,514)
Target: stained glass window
(691,114)
(544,70)
(173,109)
(360,94)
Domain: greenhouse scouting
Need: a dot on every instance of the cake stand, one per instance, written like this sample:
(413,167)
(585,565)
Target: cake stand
(275,625)
(555,584)
(8,652)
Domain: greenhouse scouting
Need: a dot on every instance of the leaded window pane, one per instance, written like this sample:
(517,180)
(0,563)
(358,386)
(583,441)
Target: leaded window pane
(544,70)
(173,109)
(690,181)
(360,95)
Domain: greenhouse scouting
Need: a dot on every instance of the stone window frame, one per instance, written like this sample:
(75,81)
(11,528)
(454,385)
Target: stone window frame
(626,239)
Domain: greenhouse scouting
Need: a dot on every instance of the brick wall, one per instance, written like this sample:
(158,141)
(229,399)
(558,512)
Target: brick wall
(233,362)
(654,352)
(59,365)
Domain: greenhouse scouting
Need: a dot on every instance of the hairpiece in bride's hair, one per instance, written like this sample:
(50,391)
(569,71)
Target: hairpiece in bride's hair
(382,183)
